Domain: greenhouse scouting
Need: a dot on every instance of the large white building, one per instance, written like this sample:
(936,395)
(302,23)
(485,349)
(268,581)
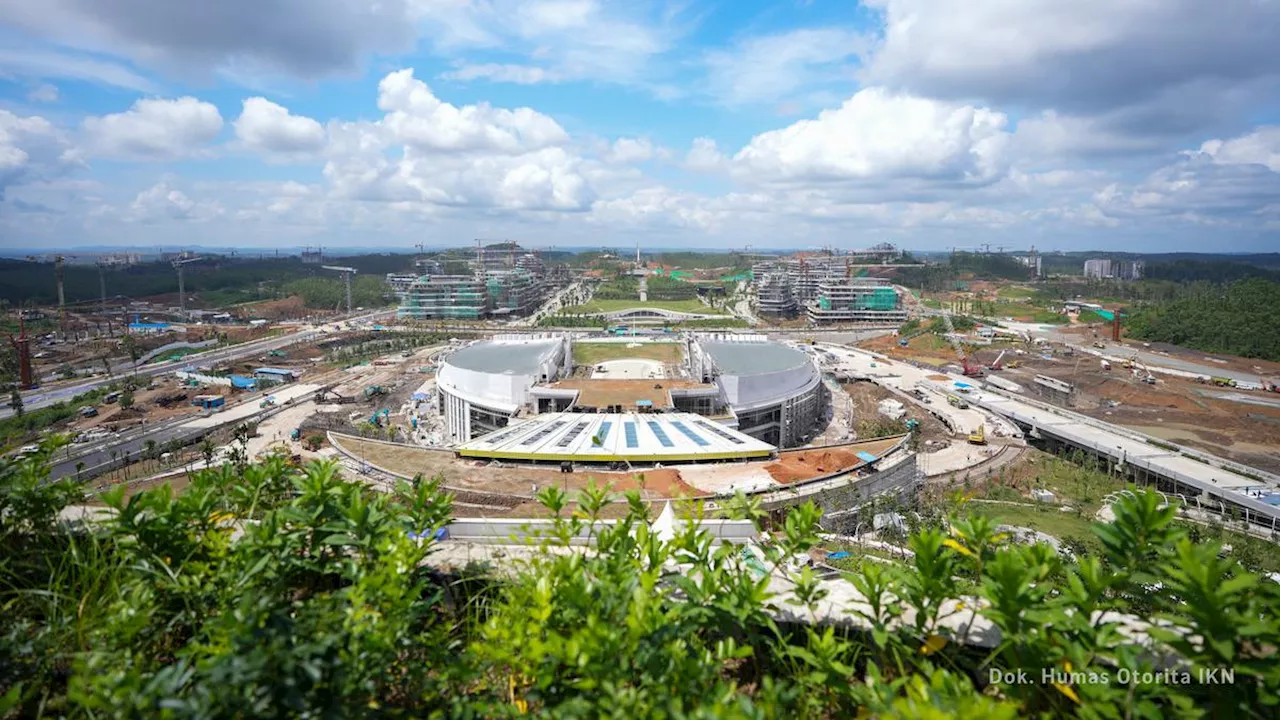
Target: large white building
(482,385)
(1106,268)
(774,391)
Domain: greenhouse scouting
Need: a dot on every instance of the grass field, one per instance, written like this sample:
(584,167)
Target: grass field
(596,307)
(592,353)
(1047,519)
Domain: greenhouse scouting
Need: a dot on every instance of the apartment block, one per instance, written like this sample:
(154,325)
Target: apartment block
(1108,269)
(774,295)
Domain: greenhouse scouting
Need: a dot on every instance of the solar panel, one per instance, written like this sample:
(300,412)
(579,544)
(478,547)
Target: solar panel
(574,432)
(508,433)
(689,433)
(630,430)
(544,432)
(662,434)
(602,434)
(718,431)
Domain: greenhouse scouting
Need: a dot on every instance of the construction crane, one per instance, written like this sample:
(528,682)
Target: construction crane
(996,365)
(970,370)
(22,347)
(347,272)
(178,264)
(58,261)
(102,285)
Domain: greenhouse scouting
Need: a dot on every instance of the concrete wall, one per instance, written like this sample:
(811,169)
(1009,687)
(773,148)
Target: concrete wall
(901,480)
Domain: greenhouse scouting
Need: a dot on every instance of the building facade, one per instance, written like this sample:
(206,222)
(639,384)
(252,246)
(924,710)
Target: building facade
(483,385)
(445,297)
(857,301)
(774,391)
(1108,269)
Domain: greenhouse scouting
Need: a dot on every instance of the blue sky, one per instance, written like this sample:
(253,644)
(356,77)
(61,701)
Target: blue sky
(928,123)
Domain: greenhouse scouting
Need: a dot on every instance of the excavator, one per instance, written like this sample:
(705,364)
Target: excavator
(979,436)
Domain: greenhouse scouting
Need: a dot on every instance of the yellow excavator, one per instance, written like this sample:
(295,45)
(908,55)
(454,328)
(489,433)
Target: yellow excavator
(979,436)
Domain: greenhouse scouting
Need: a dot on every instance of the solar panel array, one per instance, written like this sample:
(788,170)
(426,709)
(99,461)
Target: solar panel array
(644,436)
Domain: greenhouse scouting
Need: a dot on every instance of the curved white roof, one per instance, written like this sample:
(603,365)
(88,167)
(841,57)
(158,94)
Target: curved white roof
(518,358)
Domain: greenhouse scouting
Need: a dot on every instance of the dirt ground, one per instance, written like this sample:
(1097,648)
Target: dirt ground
(791,466)
(599,393)
(866,397)
(1176,409)
(796,465)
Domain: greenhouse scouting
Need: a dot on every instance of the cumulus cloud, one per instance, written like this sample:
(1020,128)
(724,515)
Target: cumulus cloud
(1260,147)
(420,119)
(32,148)
(154,129)
(877,135)
(1084,56)
(450,156)
(164,202)
(704,156)
(631,150)
(1233,181)
(270,128)
(308,38)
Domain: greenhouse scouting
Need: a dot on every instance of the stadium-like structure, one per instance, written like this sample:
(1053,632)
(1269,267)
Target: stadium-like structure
(735,396)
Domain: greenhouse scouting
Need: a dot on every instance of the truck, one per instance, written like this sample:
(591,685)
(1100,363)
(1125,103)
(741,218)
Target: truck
(374,391)
(958,402)
(1223,381)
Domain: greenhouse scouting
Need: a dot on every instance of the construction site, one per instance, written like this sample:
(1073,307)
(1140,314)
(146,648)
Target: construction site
(829,288)
(1223,405)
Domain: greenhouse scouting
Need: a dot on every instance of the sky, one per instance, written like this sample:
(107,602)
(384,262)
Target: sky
(1139,125)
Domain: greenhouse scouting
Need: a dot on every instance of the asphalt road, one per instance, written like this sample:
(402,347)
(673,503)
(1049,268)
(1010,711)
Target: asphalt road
(38,398)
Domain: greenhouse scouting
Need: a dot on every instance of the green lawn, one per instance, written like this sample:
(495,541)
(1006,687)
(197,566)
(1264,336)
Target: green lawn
(592,353)
(596,307)
(1048,519)
(1015,292)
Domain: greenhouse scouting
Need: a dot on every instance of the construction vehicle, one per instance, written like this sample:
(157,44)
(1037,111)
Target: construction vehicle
(278,354)
(912,424)
(1100,345)
(979,436)
(958,402)
(1223,381)
(996,364)
(1013,364)
(1269,386)
(374,391)
(969,368)
(1106,365)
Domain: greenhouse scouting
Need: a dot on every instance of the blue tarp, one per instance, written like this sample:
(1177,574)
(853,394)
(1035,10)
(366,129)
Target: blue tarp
(644,403)
(419,396)
(960,384)
(837,555)
(865,456)
(243,383)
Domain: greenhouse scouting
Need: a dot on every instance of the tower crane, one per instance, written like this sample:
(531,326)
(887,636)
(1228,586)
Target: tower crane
(178,264)
(347,272)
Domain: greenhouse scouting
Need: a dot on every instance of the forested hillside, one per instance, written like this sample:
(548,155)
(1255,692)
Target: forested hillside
(1239,319)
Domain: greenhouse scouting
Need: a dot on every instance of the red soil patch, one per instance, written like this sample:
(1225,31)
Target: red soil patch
(795,467)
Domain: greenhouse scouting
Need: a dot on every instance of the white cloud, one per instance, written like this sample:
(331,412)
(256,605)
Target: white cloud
(876,135)
(43,64)
(1260,147)
(164,202)
(494,72)
(32,148)
(450,156)
(704,156)
(563,40)
(631,150)
(1084,56)
(154,129)
(420,119)
(270,128)
(770,68)
(45,93)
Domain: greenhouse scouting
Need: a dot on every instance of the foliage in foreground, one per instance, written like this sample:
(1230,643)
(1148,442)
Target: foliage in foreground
(277,592)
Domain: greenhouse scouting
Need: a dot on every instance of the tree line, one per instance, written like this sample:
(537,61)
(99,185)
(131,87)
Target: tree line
(1238,319)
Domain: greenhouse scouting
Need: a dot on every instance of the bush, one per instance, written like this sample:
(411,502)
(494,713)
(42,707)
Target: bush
(272,591)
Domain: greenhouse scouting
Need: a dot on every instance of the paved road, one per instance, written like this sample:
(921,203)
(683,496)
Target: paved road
(40,397)
(1154,359)
(186,432)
